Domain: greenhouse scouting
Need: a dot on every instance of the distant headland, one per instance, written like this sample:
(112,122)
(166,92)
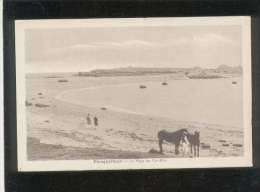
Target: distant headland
(192,73)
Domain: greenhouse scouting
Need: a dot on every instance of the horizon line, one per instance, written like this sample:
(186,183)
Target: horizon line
(129,67)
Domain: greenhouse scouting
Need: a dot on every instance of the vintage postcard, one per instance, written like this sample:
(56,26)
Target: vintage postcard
(142,93)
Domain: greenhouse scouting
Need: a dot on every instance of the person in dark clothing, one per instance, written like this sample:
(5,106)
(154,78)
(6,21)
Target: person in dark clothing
(96,121)
(88,120)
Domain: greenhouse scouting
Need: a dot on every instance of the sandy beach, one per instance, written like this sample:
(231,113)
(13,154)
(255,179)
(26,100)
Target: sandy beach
(57,128)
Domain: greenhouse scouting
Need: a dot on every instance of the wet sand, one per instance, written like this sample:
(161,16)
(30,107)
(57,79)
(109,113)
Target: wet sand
(58,129)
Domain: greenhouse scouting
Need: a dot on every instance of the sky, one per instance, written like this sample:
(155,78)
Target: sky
(85,49)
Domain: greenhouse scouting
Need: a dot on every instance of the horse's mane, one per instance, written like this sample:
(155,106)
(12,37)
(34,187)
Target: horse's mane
(178,131)
(174,136)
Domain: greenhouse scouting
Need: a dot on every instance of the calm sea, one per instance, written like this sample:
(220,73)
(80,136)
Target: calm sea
(216,101)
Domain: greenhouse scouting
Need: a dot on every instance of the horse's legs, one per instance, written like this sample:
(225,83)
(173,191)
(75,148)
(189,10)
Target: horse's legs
(160,145)
(176,148)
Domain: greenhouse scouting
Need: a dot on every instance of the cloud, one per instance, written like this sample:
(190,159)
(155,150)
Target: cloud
(113,45)
(211,38)
(135,46)
(201,40)
(205,50)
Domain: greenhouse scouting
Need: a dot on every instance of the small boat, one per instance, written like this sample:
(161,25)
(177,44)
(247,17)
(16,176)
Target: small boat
(234,82)
(142,86)
(164,83)
(62,80)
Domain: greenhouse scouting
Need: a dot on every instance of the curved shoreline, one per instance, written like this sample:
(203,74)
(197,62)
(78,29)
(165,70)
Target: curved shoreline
(63,123)
(118,109)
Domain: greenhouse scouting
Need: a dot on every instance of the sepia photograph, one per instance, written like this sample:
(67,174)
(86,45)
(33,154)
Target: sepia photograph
(133,93)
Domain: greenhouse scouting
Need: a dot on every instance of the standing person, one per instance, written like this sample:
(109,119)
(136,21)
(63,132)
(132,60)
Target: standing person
(95,121)
(88,119)
(185,144)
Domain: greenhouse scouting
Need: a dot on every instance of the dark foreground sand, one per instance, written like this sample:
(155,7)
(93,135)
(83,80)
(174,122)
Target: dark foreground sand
(37,150)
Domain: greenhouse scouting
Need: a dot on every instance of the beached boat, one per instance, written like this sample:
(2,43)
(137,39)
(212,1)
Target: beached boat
(142,86)
(164,83)
(234,82)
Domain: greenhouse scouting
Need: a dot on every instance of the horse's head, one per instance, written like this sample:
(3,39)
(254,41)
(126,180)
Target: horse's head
(183,131)
(184,135)
(197,134)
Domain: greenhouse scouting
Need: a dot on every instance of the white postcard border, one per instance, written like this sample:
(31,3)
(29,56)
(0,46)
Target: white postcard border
(151,163)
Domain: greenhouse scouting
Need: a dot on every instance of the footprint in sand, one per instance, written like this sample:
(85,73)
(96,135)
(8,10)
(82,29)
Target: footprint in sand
(154,151)
(221,152)
(225,144)
(217,152)
(205,146)
(237,145)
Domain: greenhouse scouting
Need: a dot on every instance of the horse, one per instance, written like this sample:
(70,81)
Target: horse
(194,140)
(171,137)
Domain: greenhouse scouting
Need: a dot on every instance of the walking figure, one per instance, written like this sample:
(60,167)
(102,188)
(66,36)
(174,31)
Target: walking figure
(88,120)
(96,121)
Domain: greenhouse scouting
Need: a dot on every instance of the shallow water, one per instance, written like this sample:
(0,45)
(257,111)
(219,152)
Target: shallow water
(216,101)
